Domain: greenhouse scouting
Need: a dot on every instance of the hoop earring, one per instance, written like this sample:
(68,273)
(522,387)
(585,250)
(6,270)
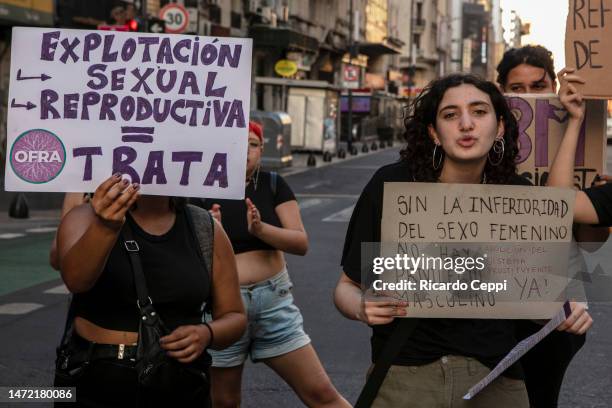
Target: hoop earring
(499,148)
(256,178)
(433,158)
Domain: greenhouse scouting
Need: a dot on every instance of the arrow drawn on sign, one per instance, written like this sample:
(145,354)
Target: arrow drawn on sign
(29,105)
(156,28)
(42,77)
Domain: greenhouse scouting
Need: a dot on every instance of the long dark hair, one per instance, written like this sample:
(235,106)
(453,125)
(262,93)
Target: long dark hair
(534,55)
(422,113)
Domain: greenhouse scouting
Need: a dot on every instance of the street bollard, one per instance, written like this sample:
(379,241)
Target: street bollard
(312,161)
(19,207)
(364,148)
(374,146)
(327,157)
(341,153)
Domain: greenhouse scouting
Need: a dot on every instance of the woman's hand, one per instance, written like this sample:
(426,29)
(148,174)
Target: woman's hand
(381,311)
(112,199)
(569,96)
(253,218)
(186,343)
(579,321)
(215,211)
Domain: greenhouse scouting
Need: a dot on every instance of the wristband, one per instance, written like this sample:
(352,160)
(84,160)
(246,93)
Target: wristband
(212,335)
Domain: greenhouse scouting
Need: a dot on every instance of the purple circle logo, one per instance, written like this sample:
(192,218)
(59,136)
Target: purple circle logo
(37,156)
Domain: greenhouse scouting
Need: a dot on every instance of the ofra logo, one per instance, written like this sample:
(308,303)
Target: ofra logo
(37,156)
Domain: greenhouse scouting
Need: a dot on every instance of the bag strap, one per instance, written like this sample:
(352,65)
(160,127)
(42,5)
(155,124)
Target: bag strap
(131,246)
(202,226)
(394,344)
(273,182)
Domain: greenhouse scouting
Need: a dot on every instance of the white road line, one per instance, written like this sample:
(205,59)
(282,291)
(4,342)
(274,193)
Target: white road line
(317,184)
(11,235)
(309,202)
(19,308)
(340,216)
(41,230)
(58,290)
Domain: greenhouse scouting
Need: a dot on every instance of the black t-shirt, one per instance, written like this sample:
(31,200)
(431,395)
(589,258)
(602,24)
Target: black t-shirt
(177,281)
(487,340)
(233,212)
(601,197)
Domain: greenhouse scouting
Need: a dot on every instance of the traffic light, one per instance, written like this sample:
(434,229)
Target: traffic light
(133,25)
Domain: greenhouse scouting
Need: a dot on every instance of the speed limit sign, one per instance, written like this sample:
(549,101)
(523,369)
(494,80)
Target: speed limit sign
(175,16)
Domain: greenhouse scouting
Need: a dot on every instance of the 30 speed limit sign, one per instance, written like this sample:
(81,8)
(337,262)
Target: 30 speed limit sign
(176,18)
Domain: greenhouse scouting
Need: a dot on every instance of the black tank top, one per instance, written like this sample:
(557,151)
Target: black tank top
(177,281)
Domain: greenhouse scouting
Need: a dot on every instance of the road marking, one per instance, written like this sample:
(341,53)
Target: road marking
(58,290)
(19,308)
(10,235)
(41,230)
(309,202)
(340,216)
(308,195)
(317,184)
(364,167)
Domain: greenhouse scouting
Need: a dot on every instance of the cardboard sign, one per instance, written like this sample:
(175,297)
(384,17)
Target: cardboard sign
(588,45)
(542,121)
(519,235)
(169,112)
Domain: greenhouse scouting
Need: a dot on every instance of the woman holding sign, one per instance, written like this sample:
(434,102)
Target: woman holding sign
(113,250)
(525,70)
(460,131)
(261,229)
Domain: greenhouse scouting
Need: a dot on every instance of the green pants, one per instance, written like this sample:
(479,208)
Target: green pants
(443,383)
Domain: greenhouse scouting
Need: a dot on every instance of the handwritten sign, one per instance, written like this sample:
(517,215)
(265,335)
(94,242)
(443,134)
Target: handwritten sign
(519,235)
(588,45)
(168,111)
(542,121)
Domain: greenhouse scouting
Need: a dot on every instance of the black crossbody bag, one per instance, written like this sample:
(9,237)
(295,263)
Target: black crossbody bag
(155,369)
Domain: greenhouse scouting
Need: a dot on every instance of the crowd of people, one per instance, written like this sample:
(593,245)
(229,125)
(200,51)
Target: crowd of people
(216,275)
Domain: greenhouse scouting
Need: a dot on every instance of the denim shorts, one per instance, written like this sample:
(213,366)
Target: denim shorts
(275,324)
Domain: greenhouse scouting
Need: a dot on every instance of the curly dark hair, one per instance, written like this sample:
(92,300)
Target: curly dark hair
(534,55)
(422,113)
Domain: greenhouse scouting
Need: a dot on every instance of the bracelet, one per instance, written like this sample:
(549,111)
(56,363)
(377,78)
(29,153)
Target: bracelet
(212,335)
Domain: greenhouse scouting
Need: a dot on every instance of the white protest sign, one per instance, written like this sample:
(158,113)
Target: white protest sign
(474,251)
(168,111)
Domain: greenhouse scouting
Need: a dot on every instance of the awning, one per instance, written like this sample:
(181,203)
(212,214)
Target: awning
(379,48)
(285,37)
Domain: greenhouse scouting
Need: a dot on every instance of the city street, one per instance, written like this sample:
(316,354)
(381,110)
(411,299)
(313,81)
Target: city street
(33,300)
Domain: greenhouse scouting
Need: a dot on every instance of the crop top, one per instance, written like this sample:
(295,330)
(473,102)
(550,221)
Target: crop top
(233,212)
(177,281)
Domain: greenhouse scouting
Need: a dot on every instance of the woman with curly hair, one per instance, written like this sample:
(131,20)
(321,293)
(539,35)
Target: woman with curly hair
(460,130)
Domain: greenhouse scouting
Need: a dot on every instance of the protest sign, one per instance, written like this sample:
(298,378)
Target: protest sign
(476,251)
(542,121)
(588,45)
(168,111)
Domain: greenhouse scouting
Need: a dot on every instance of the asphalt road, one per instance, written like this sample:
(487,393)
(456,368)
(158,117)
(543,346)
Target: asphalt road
(32,318)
